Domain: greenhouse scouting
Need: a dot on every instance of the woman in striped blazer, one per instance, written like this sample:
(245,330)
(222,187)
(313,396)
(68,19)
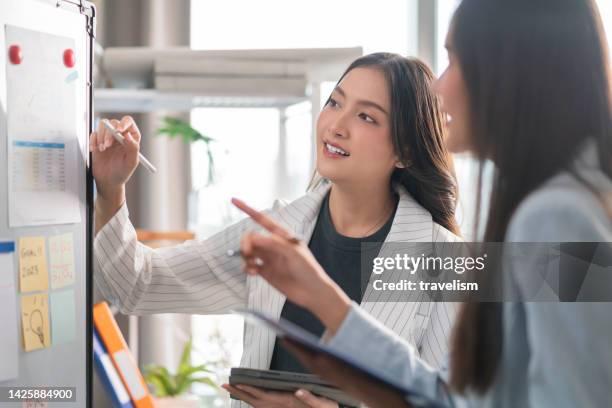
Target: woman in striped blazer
(384,175)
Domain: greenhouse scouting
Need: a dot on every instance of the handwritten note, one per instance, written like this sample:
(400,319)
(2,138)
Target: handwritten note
(35,322)
(63,318)
(61,260)
(34,404)
(32,264)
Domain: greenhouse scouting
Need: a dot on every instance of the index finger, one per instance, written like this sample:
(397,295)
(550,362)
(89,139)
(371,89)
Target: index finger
(127,124)
(263,220)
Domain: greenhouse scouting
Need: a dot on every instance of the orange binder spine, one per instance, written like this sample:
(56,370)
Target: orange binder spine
(121,356)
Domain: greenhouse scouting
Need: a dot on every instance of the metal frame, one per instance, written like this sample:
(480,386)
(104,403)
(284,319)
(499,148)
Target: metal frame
(88,10)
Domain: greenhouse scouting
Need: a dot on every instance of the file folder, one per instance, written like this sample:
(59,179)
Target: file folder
(109,376)
(121,356)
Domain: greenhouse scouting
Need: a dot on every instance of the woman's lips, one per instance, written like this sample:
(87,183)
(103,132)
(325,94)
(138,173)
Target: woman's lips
(333,151)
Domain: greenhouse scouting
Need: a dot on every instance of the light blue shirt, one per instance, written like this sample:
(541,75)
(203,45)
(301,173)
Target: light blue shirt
(554,354)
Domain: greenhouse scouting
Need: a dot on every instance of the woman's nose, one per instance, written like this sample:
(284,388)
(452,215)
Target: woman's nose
(339,127)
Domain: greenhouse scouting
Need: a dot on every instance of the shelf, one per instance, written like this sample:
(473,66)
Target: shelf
(142,79)
(149,100)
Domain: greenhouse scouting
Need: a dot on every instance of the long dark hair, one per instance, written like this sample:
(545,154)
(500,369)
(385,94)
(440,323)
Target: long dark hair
(417,134)
(537,76)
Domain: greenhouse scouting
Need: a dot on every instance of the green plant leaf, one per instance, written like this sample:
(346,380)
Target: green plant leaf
(187,373)
(197,369)
(174,127)
(158,385)
(166,384)
(186,376)
(203,380)
(206,380)
(163,375)
(163,384)
(185,361)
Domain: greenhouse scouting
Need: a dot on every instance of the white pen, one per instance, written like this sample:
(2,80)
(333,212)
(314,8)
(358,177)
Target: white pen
(119,138)
(236,252)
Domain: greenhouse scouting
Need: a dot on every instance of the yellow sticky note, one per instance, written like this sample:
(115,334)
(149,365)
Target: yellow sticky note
(61,260)
(32,264)
(34,404)
(35,322)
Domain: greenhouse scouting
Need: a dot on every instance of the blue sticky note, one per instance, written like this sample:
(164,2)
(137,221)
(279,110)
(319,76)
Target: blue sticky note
(63,319)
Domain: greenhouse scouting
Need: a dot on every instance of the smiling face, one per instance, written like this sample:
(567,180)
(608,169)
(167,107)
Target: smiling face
(454,103)
(354,130)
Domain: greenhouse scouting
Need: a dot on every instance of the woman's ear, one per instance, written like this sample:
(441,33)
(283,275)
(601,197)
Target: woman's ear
(402,165)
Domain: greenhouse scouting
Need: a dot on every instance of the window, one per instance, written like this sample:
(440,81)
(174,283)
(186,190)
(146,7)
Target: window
(289,24)
(605,10)
(444,14)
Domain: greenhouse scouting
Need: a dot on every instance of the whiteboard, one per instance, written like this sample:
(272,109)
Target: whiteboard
(53,123)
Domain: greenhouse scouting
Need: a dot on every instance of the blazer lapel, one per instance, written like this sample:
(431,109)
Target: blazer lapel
(407,318)
(299,217)
(412,223)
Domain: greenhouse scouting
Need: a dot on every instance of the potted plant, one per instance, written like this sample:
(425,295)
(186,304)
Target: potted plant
(171,390)
(174,127)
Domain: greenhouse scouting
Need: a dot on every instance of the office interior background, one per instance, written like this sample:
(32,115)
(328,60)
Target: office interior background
(263,145)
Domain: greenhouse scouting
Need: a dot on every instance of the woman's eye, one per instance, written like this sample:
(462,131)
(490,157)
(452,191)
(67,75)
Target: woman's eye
(332,102)
(366,118)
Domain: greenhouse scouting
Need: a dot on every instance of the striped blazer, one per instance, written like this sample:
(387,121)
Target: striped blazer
(198,277)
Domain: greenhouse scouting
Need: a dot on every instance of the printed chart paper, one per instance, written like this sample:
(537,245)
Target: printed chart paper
(9,337)
(43,156)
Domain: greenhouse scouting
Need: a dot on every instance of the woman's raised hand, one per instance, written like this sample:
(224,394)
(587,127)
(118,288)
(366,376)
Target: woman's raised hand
(113,163)
(290,267)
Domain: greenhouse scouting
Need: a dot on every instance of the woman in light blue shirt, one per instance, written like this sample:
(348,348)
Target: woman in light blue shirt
(527,88)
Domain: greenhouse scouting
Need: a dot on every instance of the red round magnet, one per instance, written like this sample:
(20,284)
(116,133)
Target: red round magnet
(69,59)
(15,54)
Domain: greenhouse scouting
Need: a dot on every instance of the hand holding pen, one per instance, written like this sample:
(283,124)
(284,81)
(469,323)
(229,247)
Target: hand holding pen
(113,163)
(115,147)
(121,140)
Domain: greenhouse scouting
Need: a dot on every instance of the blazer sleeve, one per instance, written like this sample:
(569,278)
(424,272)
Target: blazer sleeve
(382,350)
(194,277)
(560,333)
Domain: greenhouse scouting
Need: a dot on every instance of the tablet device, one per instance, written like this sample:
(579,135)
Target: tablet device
(290,382)
(285,328)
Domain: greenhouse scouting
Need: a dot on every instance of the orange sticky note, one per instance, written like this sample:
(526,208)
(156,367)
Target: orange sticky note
(35,322)
(32,264)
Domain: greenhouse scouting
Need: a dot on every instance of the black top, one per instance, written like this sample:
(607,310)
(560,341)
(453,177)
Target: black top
(340,257)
